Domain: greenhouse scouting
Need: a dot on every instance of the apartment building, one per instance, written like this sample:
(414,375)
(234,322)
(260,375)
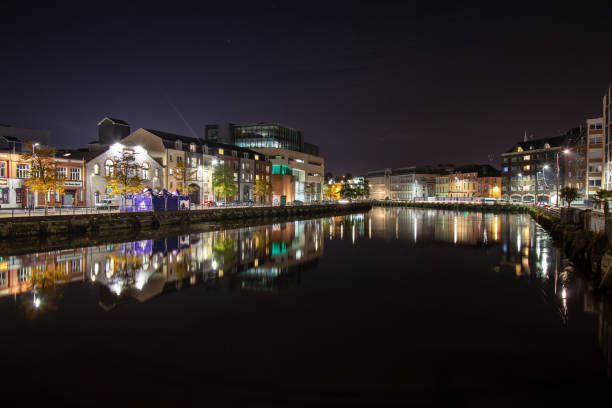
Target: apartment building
(405,184)
(469,181)
(529,170)
(595,156)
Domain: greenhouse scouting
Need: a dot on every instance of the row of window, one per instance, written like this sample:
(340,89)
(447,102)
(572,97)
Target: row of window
(23,172)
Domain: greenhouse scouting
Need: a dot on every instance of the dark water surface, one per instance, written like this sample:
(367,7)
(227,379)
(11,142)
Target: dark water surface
(389,308)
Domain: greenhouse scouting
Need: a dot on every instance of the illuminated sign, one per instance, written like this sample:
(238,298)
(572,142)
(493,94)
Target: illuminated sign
(73,183)
(3,266)
(3,182)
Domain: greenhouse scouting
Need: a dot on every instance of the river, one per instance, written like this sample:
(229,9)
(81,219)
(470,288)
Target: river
(394,306)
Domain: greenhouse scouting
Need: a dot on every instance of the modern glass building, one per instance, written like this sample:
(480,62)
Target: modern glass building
(268,136)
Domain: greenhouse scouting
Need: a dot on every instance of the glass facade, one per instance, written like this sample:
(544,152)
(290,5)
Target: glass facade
(268,136)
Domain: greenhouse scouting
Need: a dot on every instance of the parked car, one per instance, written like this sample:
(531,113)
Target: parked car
(210,203)
(248,202)
(106,204)
(297,202)
(220,203)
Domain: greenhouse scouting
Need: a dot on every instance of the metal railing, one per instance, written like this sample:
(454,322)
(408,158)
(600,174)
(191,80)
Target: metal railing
(40,211)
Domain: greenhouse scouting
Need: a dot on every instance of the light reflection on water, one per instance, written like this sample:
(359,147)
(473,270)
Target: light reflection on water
(271,258)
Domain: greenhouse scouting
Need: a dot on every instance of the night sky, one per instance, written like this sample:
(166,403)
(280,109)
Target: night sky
(380,84)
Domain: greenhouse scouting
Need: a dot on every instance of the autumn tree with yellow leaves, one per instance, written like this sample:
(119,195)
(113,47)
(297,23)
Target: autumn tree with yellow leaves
(43,176)
(124,178)
(184,174)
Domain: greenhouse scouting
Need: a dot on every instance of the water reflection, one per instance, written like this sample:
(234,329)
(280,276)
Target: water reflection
(272,258)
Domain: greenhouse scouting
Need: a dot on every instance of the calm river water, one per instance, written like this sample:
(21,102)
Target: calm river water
(391,307)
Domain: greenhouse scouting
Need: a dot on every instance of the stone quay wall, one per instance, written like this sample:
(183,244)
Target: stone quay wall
(118,223)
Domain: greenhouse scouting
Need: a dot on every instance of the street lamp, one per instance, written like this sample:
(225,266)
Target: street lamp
(565,151)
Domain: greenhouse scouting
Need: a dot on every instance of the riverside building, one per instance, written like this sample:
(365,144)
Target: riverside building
(529,170)
(404,184)
(469,181)
(595,156)
(297,168)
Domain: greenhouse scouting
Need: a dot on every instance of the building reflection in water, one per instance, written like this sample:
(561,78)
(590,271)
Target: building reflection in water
(263,258)
(271,258)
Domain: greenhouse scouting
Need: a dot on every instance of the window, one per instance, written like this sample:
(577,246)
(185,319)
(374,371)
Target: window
(108,168)
(527,157)
(156,172)
(97,197)
(527,167)
(96,169)
(170,171)
(81,195)
(594,169)
(179,145)
(62,172)
(595,183)
(221,152)
(234,153)
(17,195)
(169,157)
(23,171)
(256,157)
(235,176)
(192,147)
(179,159)
(75,173)
(145,171)
(595,154)
(2,169)
(595,140)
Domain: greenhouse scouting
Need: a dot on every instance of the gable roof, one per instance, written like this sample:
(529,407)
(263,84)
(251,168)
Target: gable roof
(173,136)
(115,121)
(557,141)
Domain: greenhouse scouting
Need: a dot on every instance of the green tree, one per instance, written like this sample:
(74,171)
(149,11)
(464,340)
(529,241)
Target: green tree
(569,194)
(363,189)
(124,178)
(223,181)
(43,176)
(262,189)
(327,190)
(347,191)
(602,197)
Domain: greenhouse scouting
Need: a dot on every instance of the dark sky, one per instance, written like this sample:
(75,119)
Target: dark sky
(378,84)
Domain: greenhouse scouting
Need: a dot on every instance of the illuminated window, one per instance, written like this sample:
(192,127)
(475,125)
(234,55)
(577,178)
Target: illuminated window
(145,171)
(23,171)
(256,157)
(96,169)
(192,147)
(62,172)
(527,167)
(108,168)
(527,157)
(75,173)
(221,151)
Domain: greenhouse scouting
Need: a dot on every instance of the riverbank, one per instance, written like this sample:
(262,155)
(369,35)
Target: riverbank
(40,233)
